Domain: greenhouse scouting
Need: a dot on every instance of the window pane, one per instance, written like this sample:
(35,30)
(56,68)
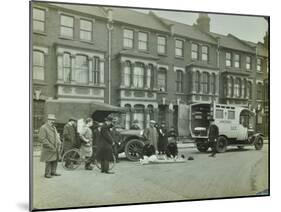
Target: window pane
(67,21)
(142,36)
(194,55)
(128,33)
(38,14)
(179,52)
(204,49)
(38,26)
(82,69)
(65,31)
(38,73)
(161,40)
(179,43)
(161,49)
(86,25)
(219,114)
(38,58)
(85,35)
(231,115)
(194,47)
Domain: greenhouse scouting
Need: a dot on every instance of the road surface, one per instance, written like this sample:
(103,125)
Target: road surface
(234,173)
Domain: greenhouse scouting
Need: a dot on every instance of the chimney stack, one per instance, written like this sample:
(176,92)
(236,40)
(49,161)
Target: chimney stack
(203,22)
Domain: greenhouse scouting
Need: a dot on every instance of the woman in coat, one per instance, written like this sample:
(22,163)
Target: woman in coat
(104,146)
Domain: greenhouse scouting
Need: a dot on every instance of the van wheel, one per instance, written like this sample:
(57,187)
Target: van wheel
(133,149)
(221,144)
(202,147)
(259,143)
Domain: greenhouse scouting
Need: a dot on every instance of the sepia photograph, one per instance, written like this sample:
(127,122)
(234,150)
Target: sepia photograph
(134,105)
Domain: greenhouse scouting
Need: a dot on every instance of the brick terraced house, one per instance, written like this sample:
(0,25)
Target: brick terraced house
(151,66)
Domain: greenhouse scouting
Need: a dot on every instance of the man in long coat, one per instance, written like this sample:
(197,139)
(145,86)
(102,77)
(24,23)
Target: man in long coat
(51,143)
(213,137)
(151,135)
(69,137)
(104,146)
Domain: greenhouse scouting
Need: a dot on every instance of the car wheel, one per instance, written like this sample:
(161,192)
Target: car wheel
(133,149)
(259,143)
(221,144)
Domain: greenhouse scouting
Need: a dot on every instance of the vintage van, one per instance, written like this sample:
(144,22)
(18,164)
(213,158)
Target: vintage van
(235,123)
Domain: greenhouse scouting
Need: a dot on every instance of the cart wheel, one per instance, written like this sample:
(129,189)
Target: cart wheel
(71,159)
(259,143)
(111,163)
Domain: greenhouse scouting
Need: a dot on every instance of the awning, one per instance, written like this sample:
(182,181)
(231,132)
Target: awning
(64,109)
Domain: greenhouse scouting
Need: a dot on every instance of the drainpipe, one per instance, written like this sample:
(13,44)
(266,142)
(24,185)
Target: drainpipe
(109,26)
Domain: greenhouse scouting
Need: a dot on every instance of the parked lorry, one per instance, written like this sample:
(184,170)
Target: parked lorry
(235,123)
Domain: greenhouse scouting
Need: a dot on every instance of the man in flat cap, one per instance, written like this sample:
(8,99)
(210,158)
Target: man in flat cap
(151,135)
(51,143)
(69,137)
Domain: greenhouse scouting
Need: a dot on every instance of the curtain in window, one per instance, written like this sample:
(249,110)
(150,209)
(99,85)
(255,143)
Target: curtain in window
(66,67)
(138,76)
(249,88)
(205,83)
(197,82)
(179,81)
(230,87)
(96,70)
(139,115)
(213,84)
(82,69)
(128,116)
(127,74)
(38,65)
(149,76)
(161,79)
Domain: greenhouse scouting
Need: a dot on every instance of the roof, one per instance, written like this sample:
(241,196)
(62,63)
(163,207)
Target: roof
(136,18)
(88,9)
(188,31)
(232,42)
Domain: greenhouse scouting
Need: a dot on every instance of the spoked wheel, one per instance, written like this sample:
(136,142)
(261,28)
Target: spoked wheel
(133,149)
(221,144)
(71,159)
(111,163)
(259,143)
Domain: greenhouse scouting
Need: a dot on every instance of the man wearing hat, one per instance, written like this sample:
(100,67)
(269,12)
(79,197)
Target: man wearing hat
(135,125)
(69,137)
(51,143)
(151,135)
(213,136)
(104,145)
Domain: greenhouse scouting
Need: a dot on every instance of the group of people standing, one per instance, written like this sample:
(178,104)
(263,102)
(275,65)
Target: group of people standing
(95,141)
(157,136)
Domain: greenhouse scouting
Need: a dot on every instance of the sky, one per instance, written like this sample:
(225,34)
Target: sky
(250,28)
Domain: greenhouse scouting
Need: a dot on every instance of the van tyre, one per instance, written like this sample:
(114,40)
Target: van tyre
(221,144)
(133,149)
(202,147)
(259,143)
